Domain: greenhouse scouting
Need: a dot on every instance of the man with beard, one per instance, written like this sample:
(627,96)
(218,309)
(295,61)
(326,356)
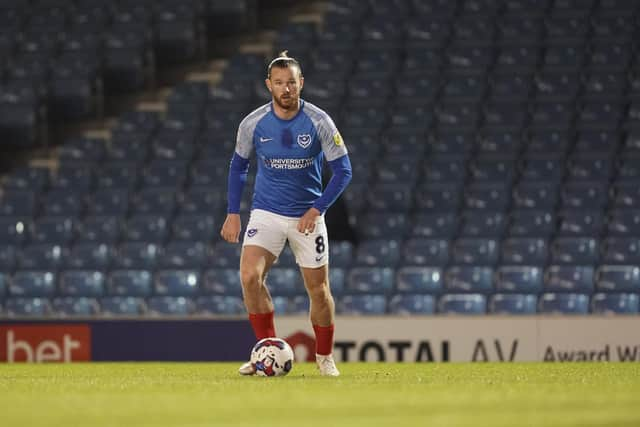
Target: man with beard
(291,138)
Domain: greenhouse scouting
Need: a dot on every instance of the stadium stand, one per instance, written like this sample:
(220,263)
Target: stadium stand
(495,147)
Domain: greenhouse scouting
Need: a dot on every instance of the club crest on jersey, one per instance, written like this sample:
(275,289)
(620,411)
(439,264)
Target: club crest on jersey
(304,140)
(252,232)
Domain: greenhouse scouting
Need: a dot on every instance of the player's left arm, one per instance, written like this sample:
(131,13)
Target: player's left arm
(338,160)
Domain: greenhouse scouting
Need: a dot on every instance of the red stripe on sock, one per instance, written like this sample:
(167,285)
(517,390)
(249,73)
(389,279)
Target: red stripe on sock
(324,339)
(262,324)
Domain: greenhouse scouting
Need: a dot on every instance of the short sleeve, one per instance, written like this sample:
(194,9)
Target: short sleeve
(332,143)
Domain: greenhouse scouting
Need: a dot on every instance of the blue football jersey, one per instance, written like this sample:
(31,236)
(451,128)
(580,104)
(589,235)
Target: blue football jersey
(289,156)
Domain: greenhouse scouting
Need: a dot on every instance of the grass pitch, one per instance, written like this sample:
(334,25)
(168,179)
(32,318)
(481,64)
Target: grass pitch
(212,394)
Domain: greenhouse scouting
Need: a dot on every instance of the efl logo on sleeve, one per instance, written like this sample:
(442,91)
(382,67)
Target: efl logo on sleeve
(337,139)
(45,343)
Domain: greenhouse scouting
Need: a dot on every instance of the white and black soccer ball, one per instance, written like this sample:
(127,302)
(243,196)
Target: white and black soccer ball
(272,357)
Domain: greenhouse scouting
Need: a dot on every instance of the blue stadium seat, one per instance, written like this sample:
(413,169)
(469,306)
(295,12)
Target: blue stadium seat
(341,253)
(462,304)
(14,230)
(440,225)
(412,304)
(532,223)
(54,229)
(618,278)
(370,280)
(542,167)
(425,251)
(623,223)
(563,303)
(122,306)
(365,304)
(438,197)
(8,257)
(587,196)
(177,283)
(589,167)
(137,255)
(130,283)
(378,253)
(556,86)
(4,284)
(285,281)
(513,304)
(89,256)
(73,178)
(524,251)
(98,229)
(614,303)
(619,250)
(81,283)
(184,255)
(189,227)
(391,196)
(493,170)
(484,223)
(62,203)
(118,175)
(146,228)
(445,170)
(468,279)
(27,178)
(626,196)
(542,195)
(26,283)
(520,279)
(154,201)
(170,306)
(450,143)
(574,250)
(580,223)
(380,225)
(419,280)
(219,304)
(75,306)
(569,278)
(27,307)
(44,256)
(222,281)
(225,255)
(476,251)
(337,280)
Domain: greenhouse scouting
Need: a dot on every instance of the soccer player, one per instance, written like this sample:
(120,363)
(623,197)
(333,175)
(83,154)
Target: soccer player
(290,138)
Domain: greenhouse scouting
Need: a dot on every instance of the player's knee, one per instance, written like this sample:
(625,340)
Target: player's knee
(320,292)
(250,279)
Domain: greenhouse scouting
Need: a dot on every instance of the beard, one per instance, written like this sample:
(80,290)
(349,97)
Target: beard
(286,103)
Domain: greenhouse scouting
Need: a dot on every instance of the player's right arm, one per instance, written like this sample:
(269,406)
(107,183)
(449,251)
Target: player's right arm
(238,171)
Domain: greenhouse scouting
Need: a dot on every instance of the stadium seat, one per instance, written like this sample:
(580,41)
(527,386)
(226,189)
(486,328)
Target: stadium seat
(380,225)
(177,283)
(475,251)
(130,283)
(468,279)
(623,223)
(580,223)
(154,201)
(425,251)
(222,281)
(365,304)
(75,306)
(563,303)
(412,304)
(532,223)
(170,306)
(542,167)
(618,278)
(122,306)
(462,304)
(513,304)
(541,195)
(620,250)
(184,255)
(219,304)
(485,224)
(4,284)
(146,228)
(81,283)
(89,256)
(450,169)
(588,196)
(225,255)
(54,229)
(98,229)
(419,280)
(574,250)
(62,203)
(137,255)
(14,230)
(378,253)
(390,196)
(440,225)
(8,256)
(285,281)
(370,280)
(341,253)
(438,197)
(27,307)
(614,303)
(569,278)
(521,279)
(44,256)
(25,283)
(524,251)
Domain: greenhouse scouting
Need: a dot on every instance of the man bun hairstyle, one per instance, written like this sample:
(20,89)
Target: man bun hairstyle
(283,60)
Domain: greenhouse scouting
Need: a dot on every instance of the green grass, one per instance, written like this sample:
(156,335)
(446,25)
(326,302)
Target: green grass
(416,395)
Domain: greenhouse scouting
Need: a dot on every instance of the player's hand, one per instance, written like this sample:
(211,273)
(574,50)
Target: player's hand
(231,228)
(307,222)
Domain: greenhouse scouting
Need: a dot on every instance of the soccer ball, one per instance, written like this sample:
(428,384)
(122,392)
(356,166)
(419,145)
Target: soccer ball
(272,357)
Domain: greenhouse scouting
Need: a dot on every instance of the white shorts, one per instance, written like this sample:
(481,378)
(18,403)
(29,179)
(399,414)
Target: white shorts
(271,231)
